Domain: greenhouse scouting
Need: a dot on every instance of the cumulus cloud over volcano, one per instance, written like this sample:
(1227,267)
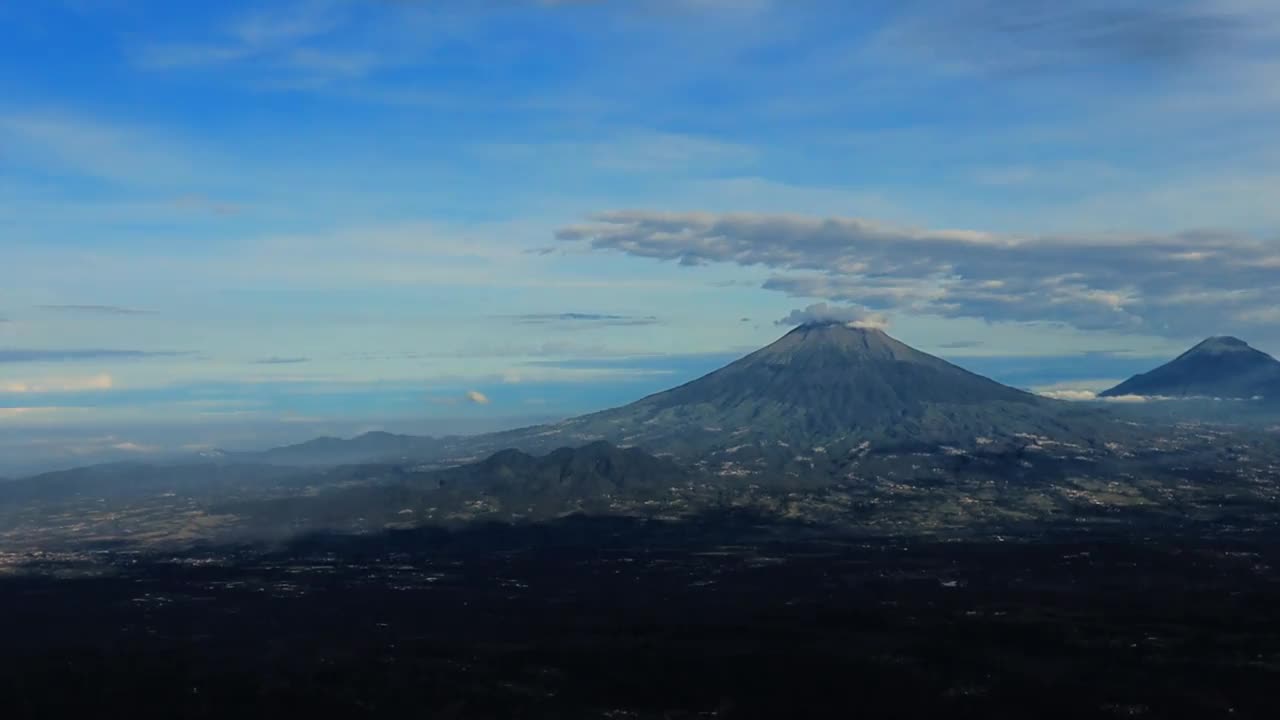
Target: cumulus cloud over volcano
(825,313)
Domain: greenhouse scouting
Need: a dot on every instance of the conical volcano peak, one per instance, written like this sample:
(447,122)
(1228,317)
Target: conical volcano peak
(841,342)
(1221,344)
(1220,366)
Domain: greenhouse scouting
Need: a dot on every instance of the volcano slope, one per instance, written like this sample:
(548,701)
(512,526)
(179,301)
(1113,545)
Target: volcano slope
(829,388)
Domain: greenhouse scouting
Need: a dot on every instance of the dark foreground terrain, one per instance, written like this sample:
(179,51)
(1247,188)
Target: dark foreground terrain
(615,618)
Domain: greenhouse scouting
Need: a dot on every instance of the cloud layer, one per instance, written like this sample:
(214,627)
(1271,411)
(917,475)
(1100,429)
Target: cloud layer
(1180,285)
(15,355)
(96,309)
(579,319)
(274,360)
(1037,35)
(57,385)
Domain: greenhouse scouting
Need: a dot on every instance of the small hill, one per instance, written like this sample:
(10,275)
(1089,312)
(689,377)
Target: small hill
(598,477)
(372,447)
(595,470)
(1219,367)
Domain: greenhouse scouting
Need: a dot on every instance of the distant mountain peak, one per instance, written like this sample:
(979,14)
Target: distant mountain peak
(1220,366)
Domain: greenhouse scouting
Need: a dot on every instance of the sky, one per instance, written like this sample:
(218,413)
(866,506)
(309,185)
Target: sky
(239,223)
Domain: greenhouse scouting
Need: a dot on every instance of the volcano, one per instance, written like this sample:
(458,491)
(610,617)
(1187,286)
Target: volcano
(1220,367)
(824,384)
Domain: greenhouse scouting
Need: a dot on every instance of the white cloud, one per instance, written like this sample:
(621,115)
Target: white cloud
(1264,315)
(134,447)
(855,317)
(1133,398)
(15,412)
(1074,395)
(57,384)
(477,397)
(1076,389)
(1065,392)
(1091,396)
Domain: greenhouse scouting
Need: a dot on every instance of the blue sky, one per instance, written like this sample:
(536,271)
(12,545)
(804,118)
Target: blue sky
(334,215)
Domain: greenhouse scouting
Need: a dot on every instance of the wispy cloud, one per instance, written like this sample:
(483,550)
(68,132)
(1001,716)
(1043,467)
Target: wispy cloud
(58,384)
(580,319)
(96,309)
(1036,35)
(133,447)
(251,35)
(61,142)
(299,45)
(15,355)
(489,348)
(11,413)
(281,360)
